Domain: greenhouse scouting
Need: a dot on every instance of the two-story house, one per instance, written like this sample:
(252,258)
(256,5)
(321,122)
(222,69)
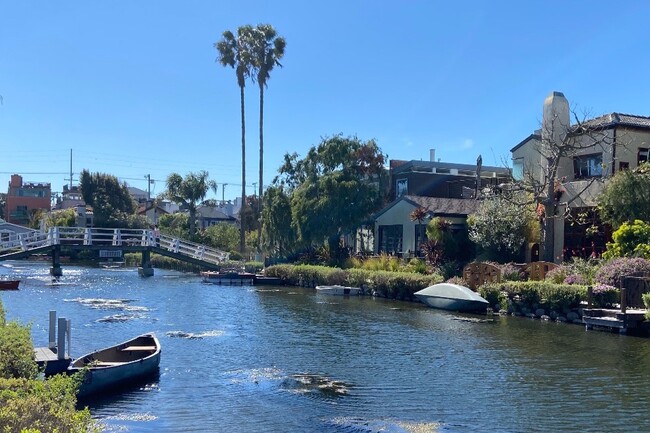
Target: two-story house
(595,150)
(442,189)
(25,198)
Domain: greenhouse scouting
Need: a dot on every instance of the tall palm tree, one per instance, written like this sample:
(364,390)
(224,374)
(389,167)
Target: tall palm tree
(236,53)
(267,50)
(189,191)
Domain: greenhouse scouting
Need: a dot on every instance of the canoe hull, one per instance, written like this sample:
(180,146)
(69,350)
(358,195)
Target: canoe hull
(9,284)
(338,290)
(117,366)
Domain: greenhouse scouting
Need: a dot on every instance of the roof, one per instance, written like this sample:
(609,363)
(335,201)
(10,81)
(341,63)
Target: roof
(605,121)
(586,190)
(438,206)
(428,165)
(212,212)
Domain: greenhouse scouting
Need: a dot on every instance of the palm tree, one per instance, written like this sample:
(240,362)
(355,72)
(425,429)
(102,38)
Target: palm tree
(236,53)
(267,50)
(189,192)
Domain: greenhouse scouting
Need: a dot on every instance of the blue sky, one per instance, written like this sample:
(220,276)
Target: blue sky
(132,87)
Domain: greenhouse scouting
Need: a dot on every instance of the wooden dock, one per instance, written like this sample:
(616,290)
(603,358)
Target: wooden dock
(49,359)
(613,319)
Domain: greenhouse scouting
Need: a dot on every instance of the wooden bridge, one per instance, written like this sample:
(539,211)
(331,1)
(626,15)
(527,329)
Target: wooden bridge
(18,246)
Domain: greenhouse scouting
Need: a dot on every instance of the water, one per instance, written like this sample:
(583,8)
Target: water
(267,359)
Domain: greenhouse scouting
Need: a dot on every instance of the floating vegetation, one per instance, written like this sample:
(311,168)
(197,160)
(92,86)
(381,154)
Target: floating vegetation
(194,335)
(354,425)
(314,383)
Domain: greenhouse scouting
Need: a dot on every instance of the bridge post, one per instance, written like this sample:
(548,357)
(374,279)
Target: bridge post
(56,270)
(145,270)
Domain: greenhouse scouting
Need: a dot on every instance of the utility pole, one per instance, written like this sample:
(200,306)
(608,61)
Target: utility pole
(223,193)
(70,178)
(148,177)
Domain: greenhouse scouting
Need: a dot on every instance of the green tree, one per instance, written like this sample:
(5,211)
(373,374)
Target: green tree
(626,197)
(175,225)
(632,239)
(500,226)
(279,236)
(333,189)
(267,50)
(189,192)
(110,199)
(61,218)
(236,52)
(224,236)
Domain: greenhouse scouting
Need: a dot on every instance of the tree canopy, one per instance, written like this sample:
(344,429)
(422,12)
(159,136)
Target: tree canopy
(189,192)
(331,191)
(110,199)
(626,197)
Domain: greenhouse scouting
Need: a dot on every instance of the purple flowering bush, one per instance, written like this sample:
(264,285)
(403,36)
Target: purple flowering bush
(611,272)
(605,295)
(511,272)
(575,279)
(557,275)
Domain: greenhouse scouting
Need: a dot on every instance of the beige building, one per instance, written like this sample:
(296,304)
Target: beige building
(594,150)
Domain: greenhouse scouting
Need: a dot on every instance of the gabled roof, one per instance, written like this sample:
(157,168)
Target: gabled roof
(437,206)
(427,165)
(533,136)
(213,213)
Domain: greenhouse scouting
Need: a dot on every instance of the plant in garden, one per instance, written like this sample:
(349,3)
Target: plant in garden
(611,272)
(500,226)
(510,272)
(605,296)
(632,239)
(575,279)
(558,274)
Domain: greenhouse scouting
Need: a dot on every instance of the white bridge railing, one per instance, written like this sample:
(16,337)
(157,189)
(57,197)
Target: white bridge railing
(109,237)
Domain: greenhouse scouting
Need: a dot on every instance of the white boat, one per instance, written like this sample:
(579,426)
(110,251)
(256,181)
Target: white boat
(118,365)
(338,290)
(453,297)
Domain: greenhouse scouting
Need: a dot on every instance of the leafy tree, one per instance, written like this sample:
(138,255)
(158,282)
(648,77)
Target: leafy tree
(267,50)
(500,226)
(223,236)
(61,218)
(110,199)
(3,204)
(333,189)
(175,225)
(189,192)
(278,232)
(236,52)
(632,239)
(626,197)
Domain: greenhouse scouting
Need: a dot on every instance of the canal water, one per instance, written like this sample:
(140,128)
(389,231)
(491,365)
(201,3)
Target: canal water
(269,359)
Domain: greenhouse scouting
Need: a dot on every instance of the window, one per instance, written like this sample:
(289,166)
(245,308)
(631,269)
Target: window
(390,238)
(642,156)
(420,237)
(588,165)
(623,166)
(518,169)
(402,187)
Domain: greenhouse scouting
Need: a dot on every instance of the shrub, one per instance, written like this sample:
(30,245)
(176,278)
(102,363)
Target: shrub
(16,352)
(586,268)
(557,275)
(632,239)
(611,272)
(605,296)
(494,296)
(646,301)
(535,294)
(458,280)
(511,272)
(575,279)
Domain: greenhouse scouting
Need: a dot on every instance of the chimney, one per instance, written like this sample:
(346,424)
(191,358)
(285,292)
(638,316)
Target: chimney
(432,155)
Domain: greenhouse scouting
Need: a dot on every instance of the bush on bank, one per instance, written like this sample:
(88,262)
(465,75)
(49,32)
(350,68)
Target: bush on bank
(531,295)
(28,403)
(164,262)
(394,285)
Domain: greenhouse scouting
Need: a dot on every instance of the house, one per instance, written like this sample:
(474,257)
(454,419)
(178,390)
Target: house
(70,198)
(210,215)
(140,196)
(600,147)
(153,210)
(442,189)
(8,230)
(25,198)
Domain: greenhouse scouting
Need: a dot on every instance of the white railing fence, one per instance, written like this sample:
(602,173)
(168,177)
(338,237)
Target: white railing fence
(15,242)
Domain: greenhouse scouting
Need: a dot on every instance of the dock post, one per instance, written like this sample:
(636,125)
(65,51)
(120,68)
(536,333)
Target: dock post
(145,270)
(51,343)
(69,329)
(56,270)
(60,350)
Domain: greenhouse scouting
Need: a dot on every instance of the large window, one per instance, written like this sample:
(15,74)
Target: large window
(642,156)
(518,169)
(390,239)
(588,165)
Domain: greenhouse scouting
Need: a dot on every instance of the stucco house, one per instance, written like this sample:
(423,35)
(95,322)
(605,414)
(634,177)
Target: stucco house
(601,147)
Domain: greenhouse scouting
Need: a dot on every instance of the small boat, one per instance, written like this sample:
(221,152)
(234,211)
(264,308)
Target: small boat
(453,297)
(118,365)
(9,284)
(338,290)
(228,278)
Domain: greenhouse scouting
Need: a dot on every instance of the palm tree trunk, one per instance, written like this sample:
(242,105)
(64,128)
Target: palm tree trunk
(259,199)
(242,228)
